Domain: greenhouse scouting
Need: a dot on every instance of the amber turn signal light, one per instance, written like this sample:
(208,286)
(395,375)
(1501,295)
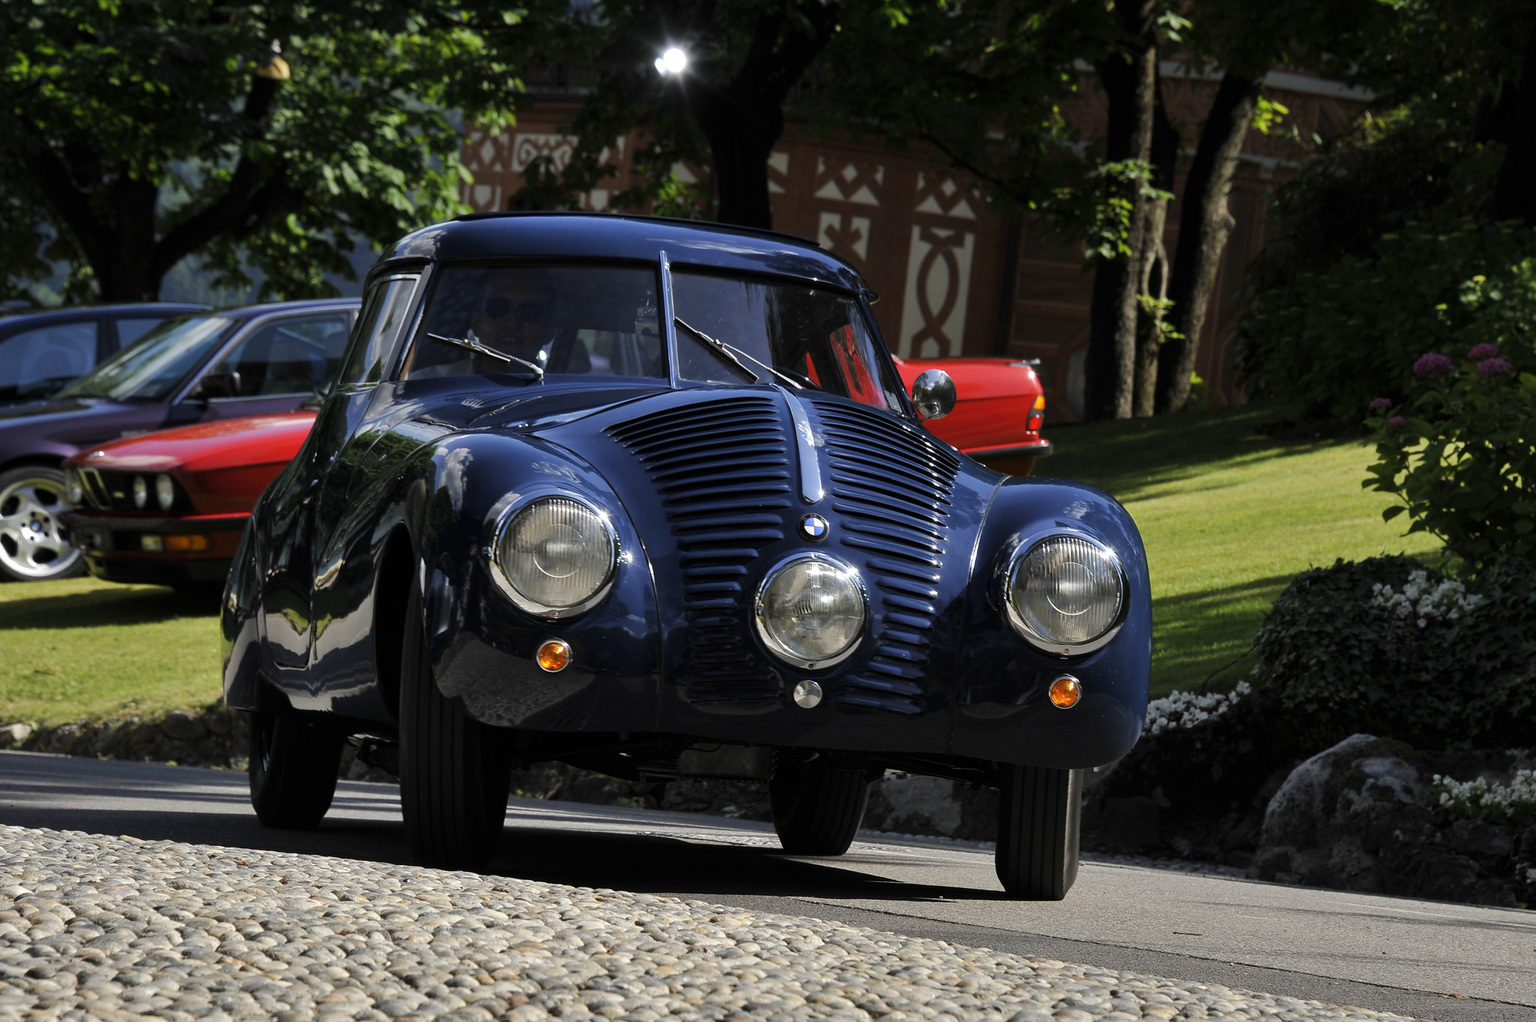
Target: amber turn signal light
(554,655)
(186,544)
(1065,692)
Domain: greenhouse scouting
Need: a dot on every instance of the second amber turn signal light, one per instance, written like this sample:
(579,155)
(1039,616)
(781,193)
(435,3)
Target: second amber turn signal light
(554,655)
(1065,692)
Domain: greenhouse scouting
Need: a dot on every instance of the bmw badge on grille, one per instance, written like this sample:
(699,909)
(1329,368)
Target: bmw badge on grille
(814,528)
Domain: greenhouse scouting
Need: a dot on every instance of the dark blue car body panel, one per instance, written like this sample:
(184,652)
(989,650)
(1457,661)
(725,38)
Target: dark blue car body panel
(402,482)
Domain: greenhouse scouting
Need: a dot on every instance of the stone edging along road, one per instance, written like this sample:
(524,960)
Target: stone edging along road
(118,928)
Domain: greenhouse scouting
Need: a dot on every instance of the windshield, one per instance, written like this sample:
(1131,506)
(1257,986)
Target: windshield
(590,320)
(811,336)
(153,367)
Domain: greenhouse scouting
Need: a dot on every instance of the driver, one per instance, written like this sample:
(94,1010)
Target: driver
(515,313)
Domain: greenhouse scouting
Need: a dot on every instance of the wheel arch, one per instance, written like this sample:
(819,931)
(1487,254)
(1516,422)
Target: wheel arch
(396,573)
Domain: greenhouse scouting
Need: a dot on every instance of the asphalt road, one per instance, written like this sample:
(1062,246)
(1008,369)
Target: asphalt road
(1425,959)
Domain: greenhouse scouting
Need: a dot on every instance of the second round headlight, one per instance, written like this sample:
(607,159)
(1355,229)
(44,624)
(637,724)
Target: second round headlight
(165,491)
(811,611)
(555,557)
(1065,594)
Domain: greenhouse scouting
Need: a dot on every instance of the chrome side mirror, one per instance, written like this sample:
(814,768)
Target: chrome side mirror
(933,394)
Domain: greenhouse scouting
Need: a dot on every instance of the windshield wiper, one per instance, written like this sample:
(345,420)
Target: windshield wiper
(734,355)
(474,344)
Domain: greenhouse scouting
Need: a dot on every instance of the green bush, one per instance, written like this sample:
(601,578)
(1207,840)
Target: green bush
(1460,452)
(1332,341)
(1387,647)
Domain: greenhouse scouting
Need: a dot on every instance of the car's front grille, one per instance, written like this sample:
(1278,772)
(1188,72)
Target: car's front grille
(723,472)
(111,491)
(891,490)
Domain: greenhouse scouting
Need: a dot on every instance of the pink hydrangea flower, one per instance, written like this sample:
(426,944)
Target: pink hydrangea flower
(1397,422)
(1381,404)
(1483,351)
(1433,364)
(1494,367)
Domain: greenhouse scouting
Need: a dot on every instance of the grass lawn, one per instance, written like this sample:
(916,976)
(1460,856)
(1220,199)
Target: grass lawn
(1229,516)
(82,649)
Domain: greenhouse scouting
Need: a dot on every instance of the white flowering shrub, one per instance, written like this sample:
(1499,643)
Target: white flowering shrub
(1423,602)
(1186,709)
(1514,803)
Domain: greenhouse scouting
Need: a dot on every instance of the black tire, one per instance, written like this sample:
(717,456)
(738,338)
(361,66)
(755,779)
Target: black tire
(817,806)
(1039,823)
(454,772)
(33,544)
(294,761)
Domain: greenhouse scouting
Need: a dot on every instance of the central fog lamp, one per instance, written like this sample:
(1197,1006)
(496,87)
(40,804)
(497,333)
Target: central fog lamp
(811,611)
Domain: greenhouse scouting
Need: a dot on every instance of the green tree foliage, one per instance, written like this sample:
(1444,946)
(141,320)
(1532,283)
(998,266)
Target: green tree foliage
(140,132)
(1449,138)
(1341,337)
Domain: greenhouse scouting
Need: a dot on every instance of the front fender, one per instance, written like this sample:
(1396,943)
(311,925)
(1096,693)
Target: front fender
(1002,710)
(482,647)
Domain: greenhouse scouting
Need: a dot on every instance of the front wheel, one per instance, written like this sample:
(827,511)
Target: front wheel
(1039,822)
(454,774)
(293,769)
(33,547)
(817,806)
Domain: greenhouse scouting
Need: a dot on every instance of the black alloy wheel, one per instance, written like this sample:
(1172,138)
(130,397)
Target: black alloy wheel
(1039,825)
(294,761)
(454,772)
(817,805)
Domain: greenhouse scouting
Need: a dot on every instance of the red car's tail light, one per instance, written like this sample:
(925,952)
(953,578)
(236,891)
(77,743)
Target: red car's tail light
(1036,415)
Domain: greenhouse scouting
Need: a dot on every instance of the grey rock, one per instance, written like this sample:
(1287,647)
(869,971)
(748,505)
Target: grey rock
(183,727)
(12,736)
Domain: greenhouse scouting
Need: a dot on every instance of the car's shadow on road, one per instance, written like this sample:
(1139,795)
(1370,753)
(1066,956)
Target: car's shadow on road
(627,854)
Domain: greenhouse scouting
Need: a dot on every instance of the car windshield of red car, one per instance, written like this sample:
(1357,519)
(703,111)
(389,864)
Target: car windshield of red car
(151,369)
(589,320)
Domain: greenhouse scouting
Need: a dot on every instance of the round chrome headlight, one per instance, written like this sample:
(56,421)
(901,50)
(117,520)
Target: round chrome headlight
(555,557)
(74,491)
(140,491)
(165,491)
(1065,594)
(811,611)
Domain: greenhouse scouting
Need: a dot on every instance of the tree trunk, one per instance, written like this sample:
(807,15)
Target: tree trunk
(1129,80)
(741,131)
(1152,279)
(743,118)
(1204,224)
(1514,197)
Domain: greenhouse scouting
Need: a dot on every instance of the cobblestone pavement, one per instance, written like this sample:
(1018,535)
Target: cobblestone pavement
(118,928)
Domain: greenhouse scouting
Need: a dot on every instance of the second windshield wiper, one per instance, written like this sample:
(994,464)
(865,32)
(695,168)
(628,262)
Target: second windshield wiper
(734,355)
(474,344)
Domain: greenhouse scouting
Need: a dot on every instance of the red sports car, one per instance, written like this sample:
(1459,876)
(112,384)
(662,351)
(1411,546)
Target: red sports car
(999,408)
(169,507)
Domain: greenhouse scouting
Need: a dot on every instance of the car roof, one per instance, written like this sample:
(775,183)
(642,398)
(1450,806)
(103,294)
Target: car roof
(578,235)
(66,312)
(302,305)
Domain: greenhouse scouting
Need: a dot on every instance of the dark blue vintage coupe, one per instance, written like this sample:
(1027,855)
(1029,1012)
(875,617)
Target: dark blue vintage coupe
(647,497)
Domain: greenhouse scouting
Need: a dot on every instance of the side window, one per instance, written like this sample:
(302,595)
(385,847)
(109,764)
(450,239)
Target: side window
(37,362)
(131,329)
(379,330)
(287,356)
